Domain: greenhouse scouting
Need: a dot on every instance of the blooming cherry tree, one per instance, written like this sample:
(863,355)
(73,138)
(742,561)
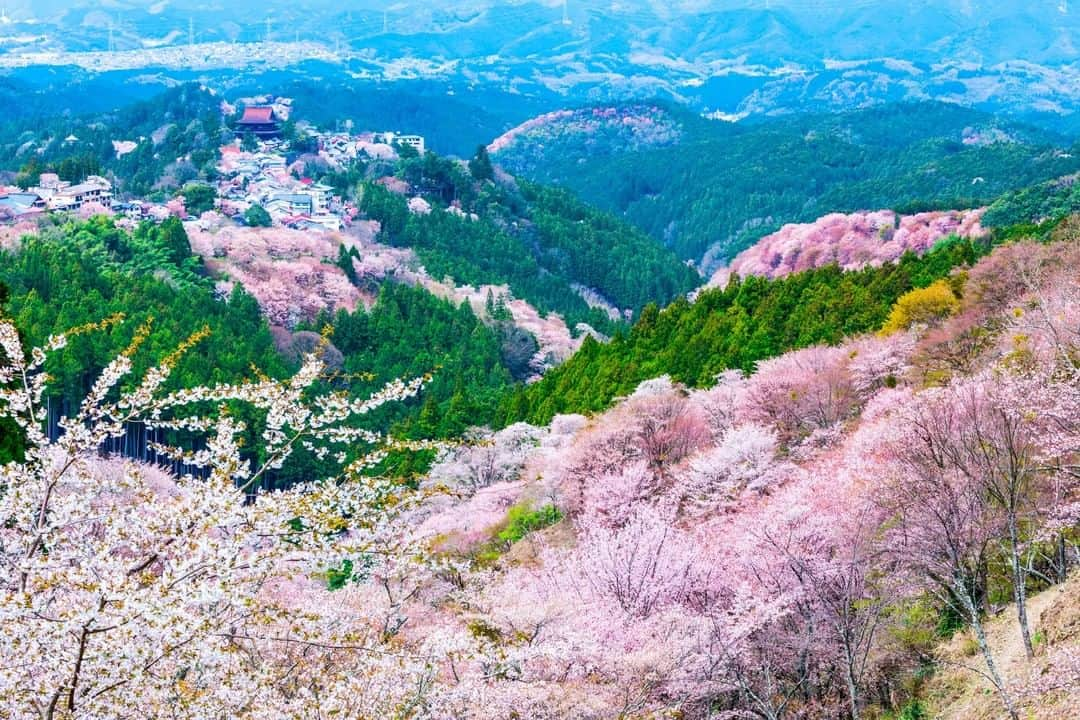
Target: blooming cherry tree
(130,593)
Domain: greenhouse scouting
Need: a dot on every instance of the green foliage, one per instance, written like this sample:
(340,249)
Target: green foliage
(1033,206)
(735,327)
(172,237)
(950,621)
(601,252)
(345,262)
(182,122)
(11,446)
(541,242)
(256,216)
(480,166)
(914,710)
(339,577)
(79,273)
(198,198)
(522,520)
(408,333)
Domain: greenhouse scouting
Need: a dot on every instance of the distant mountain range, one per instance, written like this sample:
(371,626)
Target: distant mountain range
(730,58)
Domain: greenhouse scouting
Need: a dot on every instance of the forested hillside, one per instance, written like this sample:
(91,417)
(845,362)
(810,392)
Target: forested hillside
(546,245)
(710,189)
(831,536)
(1046,203)
(174,139)
(539,360)
(856,531)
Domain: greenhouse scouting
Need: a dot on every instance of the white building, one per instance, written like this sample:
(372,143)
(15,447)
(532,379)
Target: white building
(390,138)
(321,195)
(63,196)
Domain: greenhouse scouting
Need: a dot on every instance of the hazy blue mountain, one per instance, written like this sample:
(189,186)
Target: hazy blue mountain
(733,57)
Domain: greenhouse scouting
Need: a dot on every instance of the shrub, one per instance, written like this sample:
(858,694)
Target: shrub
(521,521)
(914,710)
(198,198)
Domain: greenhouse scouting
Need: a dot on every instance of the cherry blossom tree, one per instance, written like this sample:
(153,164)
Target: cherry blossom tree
(851,241)
(487,458)
(944,525)
(668,429)
(745,458)
(822,547)
(129,593)
(802,391)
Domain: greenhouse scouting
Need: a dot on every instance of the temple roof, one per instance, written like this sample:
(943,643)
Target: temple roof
(258,116)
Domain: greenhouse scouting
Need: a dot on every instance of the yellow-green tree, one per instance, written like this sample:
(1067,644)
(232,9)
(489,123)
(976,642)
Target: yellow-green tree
(921,306)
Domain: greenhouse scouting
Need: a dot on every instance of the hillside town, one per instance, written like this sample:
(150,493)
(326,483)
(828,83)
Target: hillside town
(259,169)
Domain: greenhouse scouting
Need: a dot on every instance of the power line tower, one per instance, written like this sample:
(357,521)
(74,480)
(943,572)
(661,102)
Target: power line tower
(565,12)
(191,32)
(385,22)
(112,41)
(268,30)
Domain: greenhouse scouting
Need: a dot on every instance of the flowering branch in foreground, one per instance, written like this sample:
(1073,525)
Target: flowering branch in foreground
(126,592)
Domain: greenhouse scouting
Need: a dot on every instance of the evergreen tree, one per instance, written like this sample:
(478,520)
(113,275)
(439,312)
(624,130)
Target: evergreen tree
(480,166)
(256,216)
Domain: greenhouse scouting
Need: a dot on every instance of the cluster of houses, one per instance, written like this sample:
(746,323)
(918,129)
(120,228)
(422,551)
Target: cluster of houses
(261,177)
(264,177)
(52,194)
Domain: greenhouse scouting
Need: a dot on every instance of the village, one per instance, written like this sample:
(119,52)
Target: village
(258,170)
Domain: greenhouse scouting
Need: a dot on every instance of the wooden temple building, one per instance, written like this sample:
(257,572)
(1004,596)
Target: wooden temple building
(260,121)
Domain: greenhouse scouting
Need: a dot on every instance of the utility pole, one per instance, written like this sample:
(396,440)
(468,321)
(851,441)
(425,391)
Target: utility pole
(565,12)
(267,29)
(191,32)
(385,22)
(112,42)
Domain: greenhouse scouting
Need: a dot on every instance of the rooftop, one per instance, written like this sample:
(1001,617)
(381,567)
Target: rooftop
(258,116)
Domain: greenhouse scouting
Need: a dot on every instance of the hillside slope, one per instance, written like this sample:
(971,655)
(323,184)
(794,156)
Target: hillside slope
(851,241)
(958,694)
(784,543)
(710,189)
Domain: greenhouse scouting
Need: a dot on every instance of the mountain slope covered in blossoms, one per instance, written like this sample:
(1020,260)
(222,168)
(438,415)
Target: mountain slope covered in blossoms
(803,539)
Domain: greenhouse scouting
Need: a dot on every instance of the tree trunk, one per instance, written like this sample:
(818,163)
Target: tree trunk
(988,656)
(1019,585)
(1062,559)
(852,686)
